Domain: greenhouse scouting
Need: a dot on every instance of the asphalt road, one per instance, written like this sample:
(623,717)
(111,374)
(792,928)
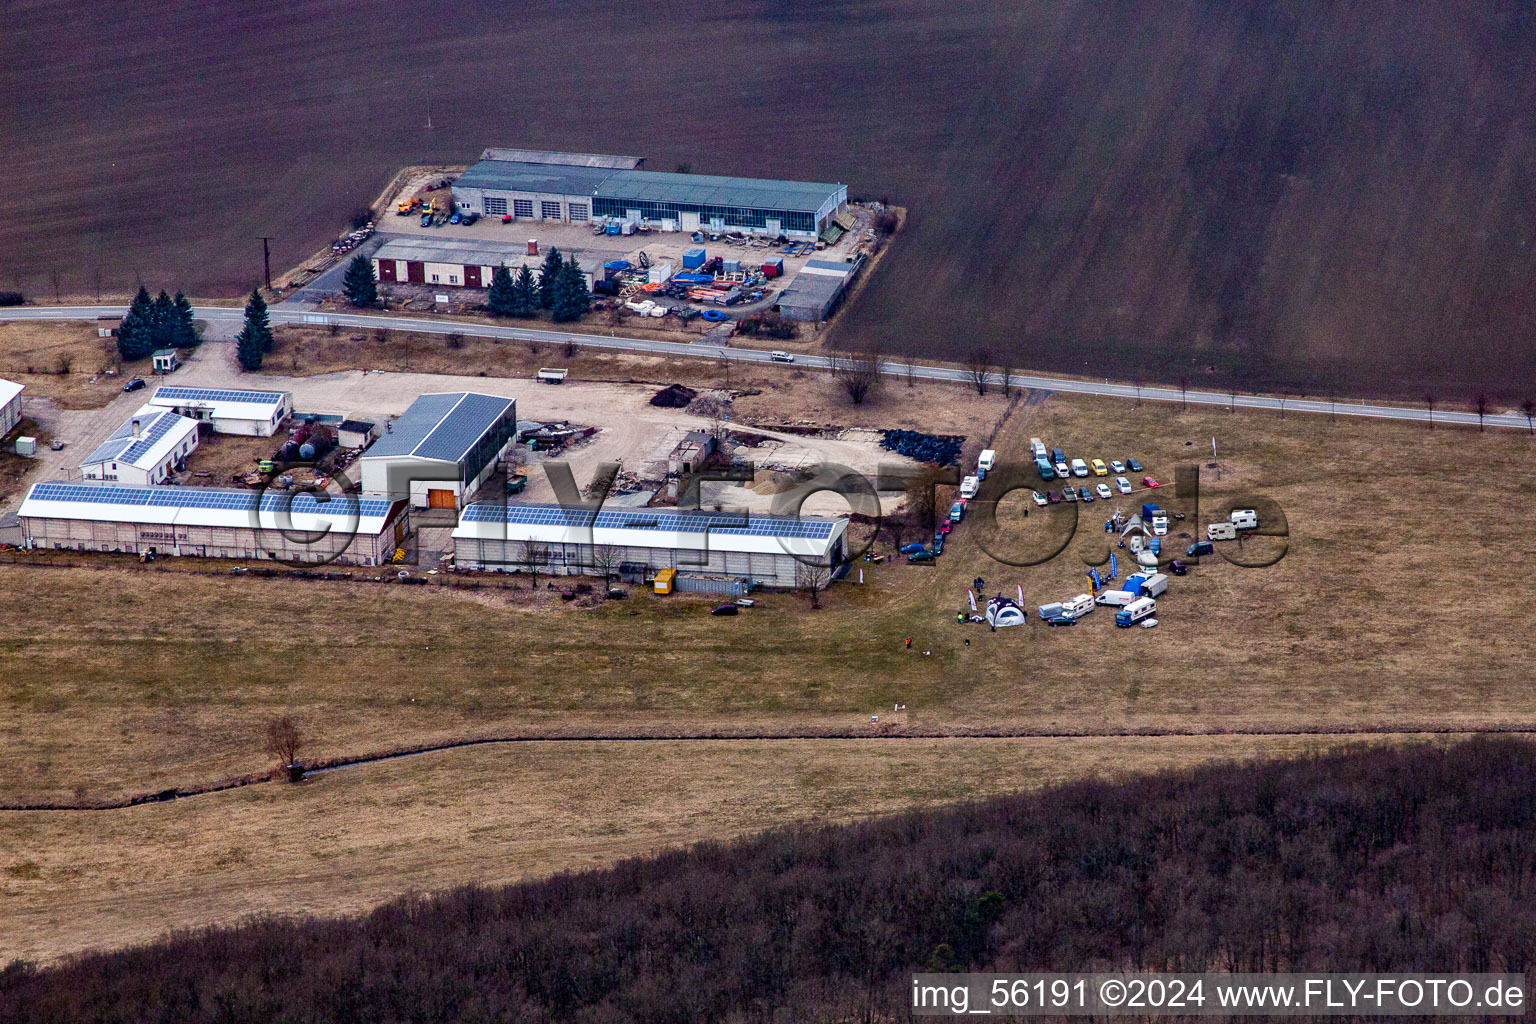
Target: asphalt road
(222,318)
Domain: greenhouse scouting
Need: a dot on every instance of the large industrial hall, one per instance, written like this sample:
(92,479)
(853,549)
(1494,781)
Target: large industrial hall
(578,187)
(765,550)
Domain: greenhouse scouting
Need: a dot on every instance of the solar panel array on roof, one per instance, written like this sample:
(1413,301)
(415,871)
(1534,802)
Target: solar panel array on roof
(219,395)
(212,498)
(666,520)
(548,179)
(444,426)
(122,446)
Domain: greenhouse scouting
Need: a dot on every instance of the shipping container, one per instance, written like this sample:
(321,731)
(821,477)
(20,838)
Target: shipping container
(693,259)
(689,583)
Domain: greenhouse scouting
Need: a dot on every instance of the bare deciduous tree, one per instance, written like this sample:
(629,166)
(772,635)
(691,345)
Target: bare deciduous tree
(1429,400)
(922,496)
(978,369)
(811,579)
(909,366)
(606,559)
(858,373)
(1481,401)
(1184,393)
(1528,406)
(283,741)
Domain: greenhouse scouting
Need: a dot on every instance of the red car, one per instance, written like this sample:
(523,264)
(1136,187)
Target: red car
(946,526)
(1147,481)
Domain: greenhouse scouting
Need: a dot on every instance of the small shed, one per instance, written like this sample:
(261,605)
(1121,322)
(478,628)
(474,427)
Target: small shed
(164,360)
(356,433)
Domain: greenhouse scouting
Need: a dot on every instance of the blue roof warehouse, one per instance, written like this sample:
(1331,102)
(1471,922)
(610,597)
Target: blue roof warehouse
(537,186)
(440,449)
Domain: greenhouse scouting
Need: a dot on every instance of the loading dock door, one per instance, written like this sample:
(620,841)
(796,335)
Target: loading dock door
(471,276)
(416,272)
(386,270)
(438,497)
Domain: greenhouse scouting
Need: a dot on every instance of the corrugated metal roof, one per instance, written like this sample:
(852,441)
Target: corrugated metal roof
(443,427)
(545,156)
(518,176)
(470,251)
(713,190)
(9,389)
(160,430)
(205,506)
(683,529)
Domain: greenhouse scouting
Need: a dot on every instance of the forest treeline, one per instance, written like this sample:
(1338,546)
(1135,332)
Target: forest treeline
(1418,858)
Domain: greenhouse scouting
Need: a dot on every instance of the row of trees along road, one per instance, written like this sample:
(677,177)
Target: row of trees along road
(152,324)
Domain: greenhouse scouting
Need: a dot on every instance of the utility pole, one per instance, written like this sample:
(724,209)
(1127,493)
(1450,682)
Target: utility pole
(266,260)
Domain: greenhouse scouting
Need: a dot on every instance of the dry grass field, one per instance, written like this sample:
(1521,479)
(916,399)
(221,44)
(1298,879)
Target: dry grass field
(112,687)
(1282,197)
(347,840)
(64,362)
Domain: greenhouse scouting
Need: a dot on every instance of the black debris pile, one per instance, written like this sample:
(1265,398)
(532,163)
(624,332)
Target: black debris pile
(937,448)
(674,397)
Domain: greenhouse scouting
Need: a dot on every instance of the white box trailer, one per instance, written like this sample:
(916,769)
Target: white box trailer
(1115,598)
(1153,584)
(986,460)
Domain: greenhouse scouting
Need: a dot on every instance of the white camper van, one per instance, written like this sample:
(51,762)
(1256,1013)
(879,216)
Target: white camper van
(1221,531)
(1079,606)
(1245,519)
(969,486)
(986,460)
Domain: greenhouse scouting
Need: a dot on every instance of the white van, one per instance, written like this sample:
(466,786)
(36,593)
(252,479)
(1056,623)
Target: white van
(1079,606)
(969,486)
(1079,467)
(1037,447)
(1115,598)
(986,460)
(1245,519)
(1141,608)
(1221,531)
(780,356)
(1153,584)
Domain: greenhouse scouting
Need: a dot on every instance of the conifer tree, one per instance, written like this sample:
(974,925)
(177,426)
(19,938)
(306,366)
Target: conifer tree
(255,338)
(133,335)
(548,275)
(502,297)
(359,284)
(184,333)
(572,300)
(525,294)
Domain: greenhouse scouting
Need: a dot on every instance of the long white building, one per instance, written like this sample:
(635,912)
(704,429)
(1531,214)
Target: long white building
(208,522)
(768,550)
(10,405)
(228,410)
(145,450)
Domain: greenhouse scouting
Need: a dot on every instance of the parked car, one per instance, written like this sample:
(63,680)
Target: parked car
(1133,465)
(426,220)
(470,218)
(1061,620)
(137,384)
(1069,494)
(724,609)
(946,526)
(1116,466)
(1122,485)
(1099,469)
(1200,547)
(1039,498)
(921,556)
(1079,467)
(1084,495)
(1147,481)
(1177,567)
(908,549)
(457,216)
(956,512)
(1053,497)
(1105,492)
(1062,469)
